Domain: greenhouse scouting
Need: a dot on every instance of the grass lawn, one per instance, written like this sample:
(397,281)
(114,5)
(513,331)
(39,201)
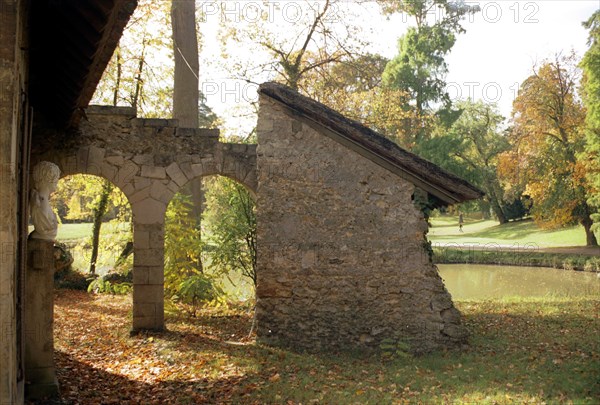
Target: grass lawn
(82,231)
(444,229)
(521,351)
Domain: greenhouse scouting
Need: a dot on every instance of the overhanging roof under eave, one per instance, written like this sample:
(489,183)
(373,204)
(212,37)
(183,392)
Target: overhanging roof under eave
(445,186)
(71,42)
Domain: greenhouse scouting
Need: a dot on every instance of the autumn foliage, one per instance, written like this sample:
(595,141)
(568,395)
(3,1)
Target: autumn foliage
(546,138)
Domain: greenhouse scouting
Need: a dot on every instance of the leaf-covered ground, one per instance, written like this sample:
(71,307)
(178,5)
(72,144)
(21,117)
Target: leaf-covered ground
(532,351)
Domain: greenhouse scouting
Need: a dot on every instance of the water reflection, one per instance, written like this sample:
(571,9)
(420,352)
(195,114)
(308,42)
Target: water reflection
(466,281)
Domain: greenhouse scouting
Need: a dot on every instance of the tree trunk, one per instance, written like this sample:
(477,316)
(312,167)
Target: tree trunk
(187,67)
(99,212)
(498,211)
(194,189)
(185,88)
(118,79)
(590,238)
(186,85)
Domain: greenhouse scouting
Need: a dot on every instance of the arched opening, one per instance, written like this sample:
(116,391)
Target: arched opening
(95,231)
(210,260)
(91,212)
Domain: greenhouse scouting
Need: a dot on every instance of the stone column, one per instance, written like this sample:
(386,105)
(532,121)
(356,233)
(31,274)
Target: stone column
(148,276)
(38,305)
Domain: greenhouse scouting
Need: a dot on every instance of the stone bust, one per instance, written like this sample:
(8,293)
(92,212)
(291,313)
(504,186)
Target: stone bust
(45,178)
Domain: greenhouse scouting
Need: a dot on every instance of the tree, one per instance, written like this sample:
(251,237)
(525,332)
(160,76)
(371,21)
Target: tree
(140,73)
(185,279)
(420,67)
(292,64)
(546,139)
(99,208)
(289,49)
(470,149)
(186,80)
(230,219)
(590,87)
(354,88)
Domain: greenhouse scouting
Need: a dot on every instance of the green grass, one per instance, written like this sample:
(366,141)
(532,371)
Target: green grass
(79,232)
(73,232)
(77,237)
(444,229)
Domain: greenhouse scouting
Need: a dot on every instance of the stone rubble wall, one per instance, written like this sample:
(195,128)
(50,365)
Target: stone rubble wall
(341,253)
(150,160)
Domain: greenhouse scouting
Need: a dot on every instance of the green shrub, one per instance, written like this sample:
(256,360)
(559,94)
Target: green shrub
(394,348)
(103,286)
(568,264)
(592,264)
(198,289)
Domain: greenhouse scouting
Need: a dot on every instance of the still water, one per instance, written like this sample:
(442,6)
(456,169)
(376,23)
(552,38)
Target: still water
(477,281)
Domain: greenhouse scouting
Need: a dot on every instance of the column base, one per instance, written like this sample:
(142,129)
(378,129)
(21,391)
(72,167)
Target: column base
(42,390)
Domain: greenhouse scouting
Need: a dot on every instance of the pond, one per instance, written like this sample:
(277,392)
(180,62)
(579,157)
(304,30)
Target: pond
(478,281)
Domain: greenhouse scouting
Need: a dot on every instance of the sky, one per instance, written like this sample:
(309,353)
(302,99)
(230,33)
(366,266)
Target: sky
(501,46)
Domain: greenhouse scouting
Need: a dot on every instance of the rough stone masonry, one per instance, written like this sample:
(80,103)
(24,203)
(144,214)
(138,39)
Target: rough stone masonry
(342,254)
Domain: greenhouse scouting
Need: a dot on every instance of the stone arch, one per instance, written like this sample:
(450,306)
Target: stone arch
(149,160)
(147,190)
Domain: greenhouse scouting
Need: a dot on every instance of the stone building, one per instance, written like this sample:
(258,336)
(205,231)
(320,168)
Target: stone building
(52,55)
(343,256)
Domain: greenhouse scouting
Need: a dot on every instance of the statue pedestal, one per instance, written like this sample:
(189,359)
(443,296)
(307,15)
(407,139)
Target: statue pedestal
(38,320)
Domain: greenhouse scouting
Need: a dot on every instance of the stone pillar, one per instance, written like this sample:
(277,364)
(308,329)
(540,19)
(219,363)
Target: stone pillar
(148,276)
(38,305)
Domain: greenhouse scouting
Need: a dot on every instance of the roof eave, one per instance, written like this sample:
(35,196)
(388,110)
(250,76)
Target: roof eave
(446,194)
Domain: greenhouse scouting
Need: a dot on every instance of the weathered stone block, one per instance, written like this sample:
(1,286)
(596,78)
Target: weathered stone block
(108,171)
(148,294)
(176,174)
(145,159)
(139,195)
(141,310)
(159,191)
(197,169)
(141,274)
(156,275)
(116,160)
(126,174)
(153,172)
(127,189)
(186,168)
(157,122)
(149,257)
(96,155)
(149,211)
(155,322)
(141,239)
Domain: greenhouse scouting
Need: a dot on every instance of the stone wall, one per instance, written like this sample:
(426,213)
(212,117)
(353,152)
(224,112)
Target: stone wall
(149,160)
(13,74)
(341,253)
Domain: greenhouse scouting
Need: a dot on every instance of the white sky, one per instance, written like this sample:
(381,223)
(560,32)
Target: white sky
(502,44)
